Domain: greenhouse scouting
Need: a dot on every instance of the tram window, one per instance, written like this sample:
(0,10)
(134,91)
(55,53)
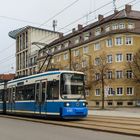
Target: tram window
(9,94)
(25,93)
(52,90)
(20,93)
(30,92)
(1,93)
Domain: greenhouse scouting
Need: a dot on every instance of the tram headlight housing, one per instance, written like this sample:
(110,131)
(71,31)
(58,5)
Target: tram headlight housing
(67,104)
(84,104)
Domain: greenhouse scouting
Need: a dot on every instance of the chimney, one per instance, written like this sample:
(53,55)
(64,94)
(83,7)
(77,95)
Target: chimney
(100,17)
(116,11)
(80,27)
(60,35)
(128,8)
(73,30)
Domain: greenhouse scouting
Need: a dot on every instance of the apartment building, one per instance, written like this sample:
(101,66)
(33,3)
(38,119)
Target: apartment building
(29,40)
(117,37)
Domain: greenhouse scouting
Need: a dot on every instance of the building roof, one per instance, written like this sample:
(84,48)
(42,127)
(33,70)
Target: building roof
(6,77)
(13,34)
(126,13)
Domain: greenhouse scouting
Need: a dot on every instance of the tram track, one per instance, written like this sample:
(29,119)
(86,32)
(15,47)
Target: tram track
(121,120)
(121,125)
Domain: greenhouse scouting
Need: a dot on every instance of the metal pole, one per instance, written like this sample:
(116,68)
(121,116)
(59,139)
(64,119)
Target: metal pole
(102,91)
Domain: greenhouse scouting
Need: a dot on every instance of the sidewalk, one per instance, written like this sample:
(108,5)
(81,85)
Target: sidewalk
(118,112)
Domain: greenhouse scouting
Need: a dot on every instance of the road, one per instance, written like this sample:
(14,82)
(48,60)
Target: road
(11,129)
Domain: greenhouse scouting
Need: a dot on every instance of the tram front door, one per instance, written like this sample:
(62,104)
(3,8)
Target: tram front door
(40,96)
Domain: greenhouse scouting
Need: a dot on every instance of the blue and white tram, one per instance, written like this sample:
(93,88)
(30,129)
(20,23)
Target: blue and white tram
(55,93)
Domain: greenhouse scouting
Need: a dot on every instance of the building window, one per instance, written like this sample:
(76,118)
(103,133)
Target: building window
(119,91)
(86,36)
(97,61)
(76,40)
(58,58)
(109,42)
(121,26)
(52,60)
(129,57)
(84,63)
(85,49)
(129,74)
(97,103)
(119,57)
(66,44)
(65,56)
(109,75)
(97,31)
(129,103)
(52,50)
(114,26)
(34,70)
(109,103)
(131,25)
(41,54)
(59,47)
(119,74)
(76,52)
(77,66)
(97,76)
(109,58)
(107,28)
(97,92)
(129,40)
(118,41)
(97,46)
(119,103)
(110,91)
(129,91)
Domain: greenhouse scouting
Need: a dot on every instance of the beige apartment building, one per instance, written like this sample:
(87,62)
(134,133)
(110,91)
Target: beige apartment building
(117,39)
(28,41)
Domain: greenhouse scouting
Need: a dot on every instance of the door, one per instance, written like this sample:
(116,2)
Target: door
(40,96)
(11,98)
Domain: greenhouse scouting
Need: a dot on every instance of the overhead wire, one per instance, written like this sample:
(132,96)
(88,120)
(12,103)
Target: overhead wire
(84,16)
(35,23)
(20,20)
(59,12)
(78,18)
(42,23)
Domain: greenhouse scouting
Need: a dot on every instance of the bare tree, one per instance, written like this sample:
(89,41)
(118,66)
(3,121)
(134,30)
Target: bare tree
(100,69)
(76,63)
(134,66)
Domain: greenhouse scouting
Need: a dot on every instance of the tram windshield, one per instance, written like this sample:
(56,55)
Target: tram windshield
(72,86)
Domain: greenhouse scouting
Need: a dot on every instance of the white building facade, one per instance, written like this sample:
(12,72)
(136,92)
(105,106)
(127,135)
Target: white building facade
(28,41)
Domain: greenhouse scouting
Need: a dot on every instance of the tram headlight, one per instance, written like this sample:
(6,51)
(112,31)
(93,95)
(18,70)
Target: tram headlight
(84,104)
(67,104)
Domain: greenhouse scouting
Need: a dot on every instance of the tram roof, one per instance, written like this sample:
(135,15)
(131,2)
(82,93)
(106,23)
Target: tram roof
(44,74)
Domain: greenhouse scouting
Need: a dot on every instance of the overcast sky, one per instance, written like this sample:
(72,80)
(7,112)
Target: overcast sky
(15,14)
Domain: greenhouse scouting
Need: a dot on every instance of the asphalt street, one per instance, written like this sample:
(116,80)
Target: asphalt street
(11,129)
